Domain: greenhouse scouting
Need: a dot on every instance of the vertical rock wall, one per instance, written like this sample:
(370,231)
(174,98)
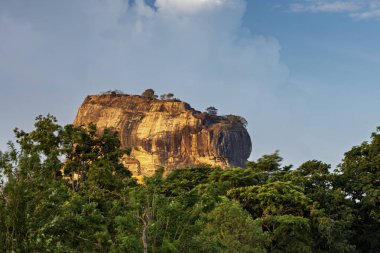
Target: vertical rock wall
(166,133)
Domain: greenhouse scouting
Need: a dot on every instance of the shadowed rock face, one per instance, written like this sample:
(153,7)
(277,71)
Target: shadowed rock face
(166,133)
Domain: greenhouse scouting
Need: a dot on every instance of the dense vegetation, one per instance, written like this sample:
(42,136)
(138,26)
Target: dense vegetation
(63,189)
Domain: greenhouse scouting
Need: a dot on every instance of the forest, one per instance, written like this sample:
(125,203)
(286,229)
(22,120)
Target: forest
(64,189)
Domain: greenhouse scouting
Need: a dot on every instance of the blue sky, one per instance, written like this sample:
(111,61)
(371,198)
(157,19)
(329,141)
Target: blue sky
(305,74)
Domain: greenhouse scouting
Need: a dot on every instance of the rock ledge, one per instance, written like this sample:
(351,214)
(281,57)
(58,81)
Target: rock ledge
(166,133)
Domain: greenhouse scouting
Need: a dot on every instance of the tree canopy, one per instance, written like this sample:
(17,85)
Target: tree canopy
(64,189)
(149,93)
(211,110)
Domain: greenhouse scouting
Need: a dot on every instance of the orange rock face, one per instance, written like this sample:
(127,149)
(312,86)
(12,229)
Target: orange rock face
(166,133)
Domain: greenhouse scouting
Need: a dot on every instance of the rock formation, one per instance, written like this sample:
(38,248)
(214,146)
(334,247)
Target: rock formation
(166,133)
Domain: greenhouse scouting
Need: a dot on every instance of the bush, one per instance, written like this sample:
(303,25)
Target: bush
(149,93)
(237,119)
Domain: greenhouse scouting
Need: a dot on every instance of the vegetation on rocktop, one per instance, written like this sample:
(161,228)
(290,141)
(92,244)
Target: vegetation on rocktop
(211,112)
(112,92)
(64,189)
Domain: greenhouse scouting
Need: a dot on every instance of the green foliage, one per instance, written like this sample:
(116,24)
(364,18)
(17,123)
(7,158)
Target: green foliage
(63,189)
(78,227)
(185,180)
(166,96)
(228,228)
(38,210)
(237,119)
(149,93)
(270,164)
(84,150)
(212,111)
(277,198)
(332,215)
(112,92)
(359,177)
(288,233)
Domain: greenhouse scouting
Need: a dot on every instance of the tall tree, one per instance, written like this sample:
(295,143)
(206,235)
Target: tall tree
(359,178)
(229,228)
(33,185)
(283,211)
(332,215)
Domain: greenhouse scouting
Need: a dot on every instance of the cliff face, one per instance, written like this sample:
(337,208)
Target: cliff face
(167,133)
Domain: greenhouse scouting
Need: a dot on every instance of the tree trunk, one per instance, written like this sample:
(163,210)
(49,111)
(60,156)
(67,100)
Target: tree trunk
(145,220)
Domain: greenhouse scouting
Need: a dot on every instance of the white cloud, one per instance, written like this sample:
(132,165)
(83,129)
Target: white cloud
(63,50)
(363,9)
(372,13)
(189,6)
(324,6)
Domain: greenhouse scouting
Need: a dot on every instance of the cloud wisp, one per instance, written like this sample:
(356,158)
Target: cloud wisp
(191,42)
(360,10)
(324,6)
(198,49)
(54,53)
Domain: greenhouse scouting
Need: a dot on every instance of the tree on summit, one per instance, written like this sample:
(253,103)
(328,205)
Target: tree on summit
(237,119)
(166,96)
(149,93)
(212,110)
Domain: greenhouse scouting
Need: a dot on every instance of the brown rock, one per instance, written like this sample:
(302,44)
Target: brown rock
(166,133)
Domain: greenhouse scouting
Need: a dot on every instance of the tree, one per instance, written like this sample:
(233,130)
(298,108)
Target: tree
(64,189)
(332,215)
(38,212)
(269,167)
(149,93)
(359,177)
(166,96)
(229,228)
(112,92)
(84,149)
(237,119)
(212,111)
(33,188)
(283,211)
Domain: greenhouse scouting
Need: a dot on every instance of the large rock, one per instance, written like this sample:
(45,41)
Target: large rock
(166,133)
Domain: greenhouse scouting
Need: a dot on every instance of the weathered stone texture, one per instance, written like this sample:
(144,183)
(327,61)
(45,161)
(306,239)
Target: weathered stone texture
(167,133)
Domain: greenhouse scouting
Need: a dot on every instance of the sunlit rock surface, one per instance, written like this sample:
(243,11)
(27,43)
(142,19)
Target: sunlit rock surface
(166,133)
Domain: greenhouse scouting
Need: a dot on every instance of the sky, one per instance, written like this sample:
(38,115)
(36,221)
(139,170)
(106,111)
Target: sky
(305,74)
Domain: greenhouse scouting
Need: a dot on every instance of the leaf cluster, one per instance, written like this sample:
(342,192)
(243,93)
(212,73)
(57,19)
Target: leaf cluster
(64,189)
